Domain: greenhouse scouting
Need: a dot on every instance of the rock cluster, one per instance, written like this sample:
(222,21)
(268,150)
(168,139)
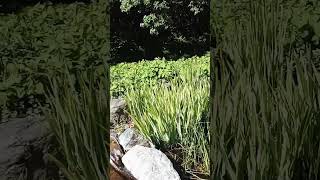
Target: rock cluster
(141,159)
(26,141)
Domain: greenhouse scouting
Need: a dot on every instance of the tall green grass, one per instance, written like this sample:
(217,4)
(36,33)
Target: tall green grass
(79,118)
(265,107)
(175,114)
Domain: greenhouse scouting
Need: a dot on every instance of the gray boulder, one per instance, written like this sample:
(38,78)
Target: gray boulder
(130,137)
(149,164)
(117,111)
(23,148)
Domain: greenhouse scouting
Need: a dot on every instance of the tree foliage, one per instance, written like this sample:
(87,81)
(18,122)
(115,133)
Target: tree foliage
(160,28)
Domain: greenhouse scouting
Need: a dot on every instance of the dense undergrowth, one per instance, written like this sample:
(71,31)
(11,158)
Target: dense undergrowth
(168,102)
(39,41)
(27,69)
(52,63)
(124,75)
(79,119)
(265,97)
(43,51)
(265,106)
(175,114)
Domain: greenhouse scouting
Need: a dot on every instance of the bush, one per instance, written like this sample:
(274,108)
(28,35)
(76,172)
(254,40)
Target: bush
(41,40)
(125,75)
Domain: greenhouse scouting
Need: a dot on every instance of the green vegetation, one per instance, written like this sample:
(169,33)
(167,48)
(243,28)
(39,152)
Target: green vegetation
(168,102)
(265,106)
(265,98)
(39,41)
(302,19)
(52,57)
(125,75)
(157,16)
(158,28)
(140,29)
(80,122)
(175,115)
(47,53)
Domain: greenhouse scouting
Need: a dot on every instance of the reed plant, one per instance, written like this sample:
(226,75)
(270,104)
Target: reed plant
(79,118)
(175,114)
(265,100)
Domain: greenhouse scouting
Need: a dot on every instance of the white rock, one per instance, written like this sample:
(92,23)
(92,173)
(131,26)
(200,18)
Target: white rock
(149,164)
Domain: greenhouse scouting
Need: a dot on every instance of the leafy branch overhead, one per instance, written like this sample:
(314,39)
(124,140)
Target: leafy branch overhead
(159,15)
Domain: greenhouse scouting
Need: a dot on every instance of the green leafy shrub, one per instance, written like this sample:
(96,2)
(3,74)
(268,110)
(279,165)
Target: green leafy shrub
(37,46)
(125,75)
(175,114)
(44,38)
